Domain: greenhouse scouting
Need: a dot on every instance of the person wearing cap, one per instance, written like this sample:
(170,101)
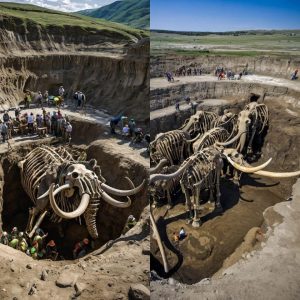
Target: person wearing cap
(51,250)
(23,245)
(4,238)
(81,248)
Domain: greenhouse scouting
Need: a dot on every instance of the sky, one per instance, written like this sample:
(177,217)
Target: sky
(224,15)
(65,5)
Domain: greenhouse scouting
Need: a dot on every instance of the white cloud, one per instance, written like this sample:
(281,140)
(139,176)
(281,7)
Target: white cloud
(65,5)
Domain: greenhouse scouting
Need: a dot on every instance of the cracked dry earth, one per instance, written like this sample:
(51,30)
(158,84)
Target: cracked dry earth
(118,268)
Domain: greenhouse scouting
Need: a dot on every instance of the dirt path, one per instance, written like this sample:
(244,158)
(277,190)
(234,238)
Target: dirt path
(159,83)
(169,110)
(135,152)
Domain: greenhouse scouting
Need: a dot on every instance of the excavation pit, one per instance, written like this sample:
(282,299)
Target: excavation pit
(202,253)
(116,162)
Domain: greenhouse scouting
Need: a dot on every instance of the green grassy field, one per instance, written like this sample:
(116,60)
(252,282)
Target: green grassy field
(243,44)
(46,17)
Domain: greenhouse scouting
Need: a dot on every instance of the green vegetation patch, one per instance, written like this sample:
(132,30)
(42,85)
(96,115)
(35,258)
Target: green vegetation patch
(46,17)
(135,13)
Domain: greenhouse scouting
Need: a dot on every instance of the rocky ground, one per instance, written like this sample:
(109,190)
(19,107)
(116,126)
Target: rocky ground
(119,270)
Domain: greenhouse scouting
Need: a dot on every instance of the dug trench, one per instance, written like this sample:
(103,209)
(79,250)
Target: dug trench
(202,253)
(115,166)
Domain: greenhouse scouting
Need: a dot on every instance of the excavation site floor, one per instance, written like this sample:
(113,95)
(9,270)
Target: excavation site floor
(270,272)
(159,83)
(204,249)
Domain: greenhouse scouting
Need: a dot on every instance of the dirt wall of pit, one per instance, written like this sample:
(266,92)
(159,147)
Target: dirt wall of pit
(235,90)
(264,65)
(110,220)
(112,72)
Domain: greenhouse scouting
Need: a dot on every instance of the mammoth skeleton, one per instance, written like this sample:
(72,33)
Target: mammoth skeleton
(174,145)
(252,121)
(56,183)
(202,170)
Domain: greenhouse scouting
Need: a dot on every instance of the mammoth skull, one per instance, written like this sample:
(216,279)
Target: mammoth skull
(78,191)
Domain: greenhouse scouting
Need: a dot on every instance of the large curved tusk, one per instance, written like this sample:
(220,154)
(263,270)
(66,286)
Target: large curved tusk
(118,192)
(85,199)
(278,174)
(158,167)
(235,138)
(61,188)
(156,177)
(194,139)
(115,202)
(248,169)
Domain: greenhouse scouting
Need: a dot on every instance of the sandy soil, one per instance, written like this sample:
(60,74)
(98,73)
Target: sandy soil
(157,83)
(271,273)
(202,253)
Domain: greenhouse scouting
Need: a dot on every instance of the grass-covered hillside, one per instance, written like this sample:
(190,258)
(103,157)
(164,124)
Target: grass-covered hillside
(135,13)
(49,18)
(238,43)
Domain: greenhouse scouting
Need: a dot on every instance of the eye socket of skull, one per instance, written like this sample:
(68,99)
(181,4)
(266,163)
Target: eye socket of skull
(71,168)
(75,175)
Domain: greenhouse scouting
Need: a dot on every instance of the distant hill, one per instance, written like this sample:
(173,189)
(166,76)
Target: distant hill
(135,13)
(47,18)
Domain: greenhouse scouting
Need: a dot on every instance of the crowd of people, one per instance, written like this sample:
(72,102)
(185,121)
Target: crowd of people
(222,73)
(44,123)
(39,247)
(28,123)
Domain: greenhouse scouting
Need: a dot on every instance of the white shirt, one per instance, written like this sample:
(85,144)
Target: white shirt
(125,129)
(69,128)
(30,119)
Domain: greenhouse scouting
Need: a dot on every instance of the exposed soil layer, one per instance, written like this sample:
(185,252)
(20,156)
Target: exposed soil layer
(203,251)
(271,272)
(164,94)
(265,65)
(112,72)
